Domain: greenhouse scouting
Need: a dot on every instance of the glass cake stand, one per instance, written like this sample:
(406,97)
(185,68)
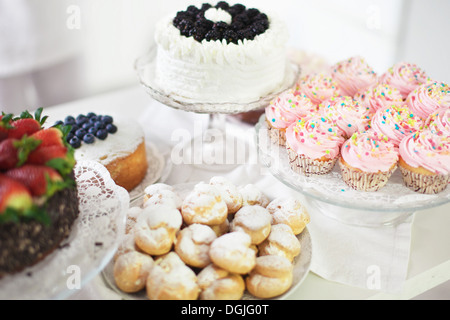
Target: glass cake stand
(211,150)
(332,197)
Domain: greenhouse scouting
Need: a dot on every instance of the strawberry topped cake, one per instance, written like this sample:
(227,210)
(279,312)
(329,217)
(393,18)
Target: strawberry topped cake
(38,195)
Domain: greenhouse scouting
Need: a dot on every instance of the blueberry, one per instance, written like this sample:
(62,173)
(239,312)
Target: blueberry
(111,128)
(102,134)
(91,114)
(80,133)
(89,138)
(87,125)
(92,130)
(74,128)
(99,125)
(107,119)
(69,136)
(59,123)
(81,119)
(69,120)
(93,119)
(75,142)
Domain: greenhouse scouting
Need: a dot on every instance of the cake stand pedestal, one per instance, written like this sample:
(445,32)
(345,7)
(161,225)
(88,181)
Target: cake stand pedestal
(329,194)
(216,149)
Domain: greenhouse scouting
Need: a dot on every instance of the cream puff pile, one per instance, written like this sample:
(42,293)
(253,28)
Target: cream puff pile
(216,242)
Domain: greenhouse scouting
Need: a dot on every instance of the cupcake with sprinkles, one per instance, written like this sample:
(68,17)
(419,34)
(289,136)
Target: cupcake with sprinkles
(439,122)
(425,161)
(395,122)
(348,115)
(353,75)
(313,145)
(286,109)
(318,87)
(378,97)
(405,77)
(428,98)
(367,161)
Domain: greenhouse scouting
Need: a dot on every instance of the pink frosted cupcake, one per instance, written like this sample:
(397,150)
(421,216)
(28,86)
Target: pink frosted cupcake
(353,75)
(367,161)
(318,87)
(378,97)
(313,145)
(405,77)
(286,109)
(425,161)
(439,122)
(428,98)
(347,114)
(396,122)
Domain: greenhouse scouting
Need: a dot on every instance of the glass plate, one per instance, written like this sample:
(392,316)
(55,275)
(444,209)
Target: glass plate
(90,246)
(330,189)
(145,68)
(159,168)
(302,263)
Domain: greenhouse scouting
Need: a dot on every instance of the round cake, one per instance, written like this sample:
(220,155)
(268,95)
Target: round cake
(38,194)
(220,54)
(116,143)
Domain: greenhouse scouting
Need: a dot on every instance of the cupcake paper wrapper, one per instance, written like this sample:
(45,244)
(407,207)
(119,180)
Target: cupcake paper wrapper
(305,166)
(365,181)
(424,183)
(276,135)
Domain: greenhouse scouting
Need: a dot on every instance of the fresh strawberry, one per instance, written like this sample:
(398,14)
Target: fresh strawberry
(49,137)
(23,127)
(5,125)
(14,152)
(26,124)
(40,180)
(13,195)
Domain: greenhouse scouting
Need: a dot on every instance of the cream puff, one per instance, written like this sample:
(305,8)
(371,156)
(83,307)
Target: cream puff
(219,284)
(289,211)
(282,242)
(131,271)
(253,220)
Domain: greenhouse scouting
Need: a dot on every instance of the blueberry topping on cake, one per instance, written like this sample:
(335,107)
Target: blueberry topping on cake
(221,22)
(87,128)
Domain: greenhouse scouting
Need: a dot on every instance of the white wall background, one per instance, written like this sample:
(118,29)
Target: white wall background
(114,32)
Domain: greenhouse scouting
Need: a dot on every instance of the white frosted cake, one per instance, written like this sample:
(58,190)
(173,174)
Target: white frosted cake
(220,54)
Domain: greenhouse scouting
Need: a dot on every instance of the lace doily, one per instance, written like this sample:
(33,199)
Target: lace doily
(91,244)
(331,189)
(145,68)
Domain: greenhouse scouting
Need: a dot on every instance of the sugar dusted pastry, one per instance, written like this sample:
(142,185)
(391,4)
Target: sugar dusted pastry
(253,220)
(289,211)
(132,216)
(252,196)
(222,228)
(204,205)
(156,228)
(230,193)
(271,277)
(219,284)
(282,242)
(164,197)
(171,279)
(131,271)
(232,252)
(193,243)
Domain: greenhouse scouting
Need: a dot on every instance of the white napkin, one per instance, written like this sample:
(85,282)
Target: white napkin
(373,258)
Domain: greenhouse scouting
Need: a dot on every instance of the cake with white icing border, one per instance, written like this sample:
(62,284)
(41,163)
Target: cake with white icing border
(244,61)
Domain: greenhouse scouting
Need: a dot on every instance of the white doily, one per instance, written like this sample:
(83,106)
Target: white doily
(331,189)
(91,244)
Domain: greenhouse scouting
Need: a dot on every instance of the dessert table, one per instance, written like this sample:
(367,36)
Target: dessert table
(429,254)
